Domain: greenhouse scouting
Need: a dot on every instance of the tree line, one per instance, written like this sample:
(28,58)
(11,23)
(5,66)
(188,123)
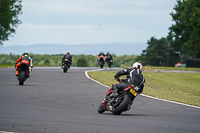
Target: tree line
(77,60)
(183,37)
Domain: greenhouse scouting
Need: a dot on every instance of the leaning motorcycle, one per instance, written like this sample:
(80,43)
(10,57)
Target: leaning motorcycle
(23,72)
(122,102)
(65,65)
(101,61)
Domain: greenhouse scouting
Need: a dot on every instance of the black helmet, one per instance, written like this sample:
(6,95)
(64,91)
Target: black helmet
(25,54)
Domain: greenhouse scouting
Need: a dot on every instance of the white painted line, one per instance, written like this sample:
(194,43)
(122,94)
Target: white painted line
(139,94)
(7,132)
(86,74)
(170,101)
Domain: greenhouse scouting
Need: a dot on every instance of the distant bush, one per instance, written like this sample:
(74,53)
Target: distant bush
(82,62)
(77,60)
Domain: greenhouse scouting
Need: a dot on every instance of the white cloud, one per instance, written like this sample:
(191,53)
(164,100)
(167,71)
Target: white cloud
(92,21)
(74,34)
(99,7)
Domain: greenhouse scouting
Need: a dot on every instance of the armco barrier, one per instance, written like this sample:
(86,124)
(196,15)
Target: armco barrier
(192,62)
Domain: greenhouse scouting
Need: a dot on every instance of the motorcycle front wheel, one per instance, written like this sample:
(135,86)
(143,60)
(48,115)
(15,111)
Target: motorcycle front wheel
(101,65)
(101,108)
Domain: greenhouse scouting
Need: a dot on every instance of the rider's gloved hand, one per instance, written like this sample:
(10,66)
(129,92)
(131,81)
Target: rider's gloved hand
(116,77)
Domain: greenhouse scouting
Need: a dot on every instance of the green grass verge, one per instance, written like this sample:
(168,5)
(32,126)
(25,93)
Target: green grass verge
(179,87)
(7,65)
(171,68)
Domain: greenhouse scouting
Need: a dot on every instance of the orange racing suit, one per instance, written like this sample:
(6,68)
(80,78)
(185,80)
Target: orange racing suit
(24,58)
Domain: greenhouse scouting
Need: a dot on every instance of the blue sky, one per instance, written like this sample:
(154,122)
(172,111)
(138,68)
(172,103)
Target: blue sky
(92,21)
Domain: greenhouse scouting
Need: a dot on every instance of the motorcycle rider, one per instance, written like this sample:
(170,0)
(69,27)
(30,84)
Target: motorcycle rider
(108,56)
(25,56)
(69,57)
(134,77)
(101,54)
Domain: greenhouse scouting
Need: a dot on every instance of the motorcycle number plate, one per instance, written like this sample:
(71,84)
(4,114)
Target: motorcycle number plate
(133,92)
(66,59)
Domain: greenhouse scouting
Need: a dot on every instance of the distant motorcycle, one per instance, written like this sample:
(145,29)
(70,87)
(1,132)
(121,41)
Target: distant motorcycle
(23,72)
(65,65)
(122,102)
(101,61)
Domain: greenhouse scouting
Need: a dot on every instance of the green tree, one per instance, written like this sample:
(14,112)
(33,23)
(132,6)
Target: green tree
(194,42)
(82,62)
(158,53)
(9,11)
(186,30)
(46,62)
(55,60)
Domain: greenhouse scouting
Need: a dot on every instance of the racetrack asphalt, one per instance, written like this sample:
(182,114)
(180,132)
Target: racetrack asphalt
(55,102)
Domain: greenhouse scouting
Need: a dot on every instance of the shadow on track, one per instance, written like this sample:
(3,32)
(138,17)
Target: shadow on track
(127,114)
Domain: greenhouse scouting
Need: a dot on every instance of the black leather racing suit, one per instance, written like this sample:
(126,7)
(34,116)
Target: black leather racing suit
(108,57)
(67,56)
(134,77)
(101,54)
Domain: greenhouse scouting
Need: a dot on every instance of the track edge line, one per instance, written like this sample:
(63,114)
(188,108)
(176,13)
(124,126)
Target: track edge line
(86,74)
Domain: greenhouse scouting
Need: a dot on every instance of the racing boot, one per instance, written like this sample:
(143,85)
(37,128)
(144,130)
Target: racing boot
(28,73)
(110,93)
(114,93)
(16,73)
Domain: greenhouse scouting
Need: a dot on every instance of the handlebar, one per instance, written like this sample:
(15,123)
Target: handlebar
(121,80)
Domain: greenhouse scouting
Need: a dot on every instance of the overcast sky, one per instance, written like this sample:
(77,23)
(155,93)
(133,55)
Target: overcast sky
(92,21)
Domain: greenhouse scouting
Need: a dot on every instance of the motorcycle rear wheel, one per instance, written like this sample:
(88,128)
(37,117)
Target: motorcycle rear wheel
(22,78)
(65,68)
(122,106)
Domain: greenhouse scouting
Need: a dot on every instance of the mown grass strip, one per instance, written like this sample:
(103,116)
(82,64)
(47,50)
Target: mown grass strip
(7,65)
(171,68)
(178,87)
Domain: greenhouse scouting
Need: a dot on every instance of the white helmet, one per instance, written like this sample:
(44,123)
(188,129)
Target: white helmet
(137,65)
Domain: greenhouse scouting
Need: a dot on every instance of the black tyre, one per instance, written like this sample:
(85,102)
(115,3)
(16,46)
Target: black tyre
(65,68)
(123,105)
(22,78)
(101,64)
(101,108)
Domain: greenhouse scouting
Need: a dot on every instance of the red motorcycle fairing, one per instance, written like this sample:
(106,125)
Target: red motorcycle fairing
(104,104)
(128,87)
(101,56)
(109,91)
(25,62)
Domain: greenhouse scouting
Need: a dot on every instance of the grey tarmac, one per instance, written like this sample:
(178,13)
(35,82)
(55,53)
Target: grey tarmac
(55,102)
